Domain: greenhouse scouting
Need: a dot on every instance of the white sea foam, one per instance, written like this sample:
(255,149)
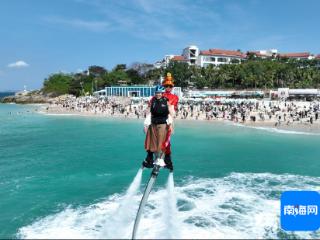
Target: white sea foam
(276,130)
(60,114)
(240,205)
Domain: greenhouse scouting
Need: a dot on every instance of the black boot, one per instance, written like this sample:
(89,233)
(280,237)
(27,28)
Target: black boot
(148,162)
(168,162)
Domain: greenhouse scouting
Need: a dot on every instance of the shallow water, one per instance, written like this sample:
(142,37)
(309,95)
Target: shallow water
(67,176)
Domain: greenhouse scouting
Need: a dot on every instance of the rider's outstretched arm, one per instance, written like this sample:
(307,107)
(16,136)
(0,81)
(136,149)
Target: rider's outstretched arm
(147,121)
(170,117)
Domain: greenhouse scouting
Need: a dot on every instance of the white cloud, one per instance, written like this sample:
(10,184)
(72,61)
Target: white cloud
(96,26)
(174,22)
(163,20)
(18,64)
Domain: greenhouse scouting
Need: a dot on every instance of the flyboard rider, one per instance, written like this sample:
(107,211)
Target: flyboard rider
(158,125)
(173,101)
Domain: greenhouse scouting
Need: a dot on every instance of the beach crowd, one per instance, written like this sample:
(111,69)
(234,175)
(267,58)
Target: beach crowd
(235,110)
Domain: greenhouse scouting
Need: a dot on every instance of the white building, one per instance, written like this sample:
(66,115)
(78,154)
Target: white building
(167,59)
(217,57)
(264,53)
(298,56)
(191,54)
(287,93)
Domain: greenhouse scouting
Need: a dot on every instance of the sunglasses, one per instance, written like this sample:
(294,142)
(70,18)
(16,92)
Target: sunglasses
(168,86)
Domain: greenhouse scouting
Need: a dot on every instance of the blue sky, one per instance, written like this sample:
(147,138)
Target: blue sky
(40,37)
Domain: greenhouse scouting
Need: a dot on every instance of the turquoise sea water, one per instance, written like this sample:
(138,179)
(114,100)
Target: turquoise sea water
(63,176)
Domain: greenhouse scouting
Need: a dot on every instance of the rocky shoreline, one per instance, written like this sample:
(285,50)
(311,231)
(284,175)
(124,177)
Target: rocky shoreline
(28,98)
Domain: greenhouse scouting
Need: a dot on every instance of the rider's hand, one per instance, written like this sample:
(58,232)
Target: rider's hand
(145,129)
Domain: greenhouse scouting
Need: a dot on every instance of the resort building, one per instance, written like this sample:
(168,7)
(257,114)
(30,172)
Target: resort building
(193,56)
(132,91)
(217,57)
(177,58)
(298,56)
(167,59)
(264,53)
(295,94)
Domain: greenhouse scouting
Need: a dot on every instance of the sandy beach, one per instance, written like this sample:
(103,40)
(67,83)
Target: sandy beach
(273,123)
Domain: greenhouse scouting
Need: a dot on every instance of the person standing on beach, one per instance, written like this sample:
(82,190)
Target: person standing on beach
(158,127)
(173,101)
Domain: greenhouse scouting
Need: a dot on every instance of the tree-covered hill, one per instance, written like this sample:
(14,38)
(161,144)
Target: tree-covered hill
(252,73)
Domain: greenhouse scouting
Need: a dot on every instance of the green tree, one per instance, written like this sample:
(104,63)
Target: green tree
(252,73)
(181,73)
(154,75)
(134,77)
(75,87)
(115,76)
(57,83)
(120,67)
(97,71)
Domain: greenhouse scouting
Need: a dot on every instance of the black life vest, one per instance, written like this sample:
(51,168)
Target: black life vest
(159,110)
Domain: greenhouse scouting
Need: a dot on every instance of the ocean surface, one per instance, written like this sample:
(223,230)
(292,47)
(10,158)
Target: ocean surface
(68,177)
(4,94)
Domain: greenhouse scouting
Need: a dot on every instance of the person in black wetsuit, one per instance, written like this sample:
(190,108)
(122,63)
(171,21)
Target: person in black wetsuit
(158,128)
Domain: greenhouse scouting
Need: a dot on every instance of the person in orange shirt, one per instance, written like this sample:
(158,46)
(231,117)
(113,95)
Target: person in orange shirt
(168,85)
(173,101)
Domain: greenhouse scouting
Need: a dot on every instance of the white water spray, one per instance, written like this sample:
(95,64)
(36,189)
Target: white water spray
(134,186)
(121,221)
(170,211)
(174,223)
(240,205)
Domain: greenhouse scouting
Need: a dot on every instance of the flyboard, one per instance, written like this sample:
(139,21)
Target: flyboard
(158,164)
